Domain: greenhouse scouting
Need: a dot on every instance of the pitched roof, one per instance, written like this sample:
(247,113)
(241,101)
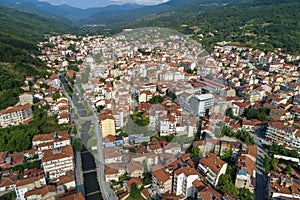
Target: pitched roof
(137,181)
(188,171)
(213,162)
(41,191)
(7,181)
(29,180)
(161,175)
(15,109)
(65,151)
(75,196)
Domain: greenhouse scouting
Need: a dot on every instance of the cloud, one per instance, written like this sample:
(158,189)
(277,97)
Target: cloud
(141,2)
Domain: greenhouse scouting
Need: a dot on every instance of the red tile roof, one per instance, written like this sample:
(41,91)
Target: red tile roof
(161,175)
(75,196)
(213,162)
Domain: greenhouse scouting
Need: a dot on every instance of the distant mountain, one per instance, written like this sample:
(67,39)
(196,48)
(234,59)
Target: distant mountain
(74,14)
(263,24)
(150,11)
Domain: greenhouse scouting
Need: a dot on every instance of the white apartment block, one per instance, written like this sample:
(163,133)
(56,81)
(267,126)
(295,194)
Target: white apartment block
(283,134)
(212,168)
(13,116)
(201,103)
(56,162)
(183,181)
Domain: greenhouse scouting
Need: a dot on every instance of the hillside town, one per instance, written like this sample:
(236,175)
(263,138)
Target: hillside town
(174,121)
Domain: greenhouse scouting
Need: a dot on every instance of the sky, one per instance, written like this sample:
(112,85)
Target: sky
(102,3)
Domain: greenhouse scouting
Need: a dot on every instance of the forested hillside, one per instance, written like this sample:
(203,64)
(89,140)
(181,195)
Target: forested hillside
(19,33)
(263,24)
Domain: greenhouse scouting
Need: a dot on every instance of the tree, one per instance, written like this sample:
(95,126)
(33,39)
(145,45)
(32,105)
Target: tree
(274,164)
(123,134)
(140,119)
(195,152)
(288,170)
(135,193)
(199,130)
(245,194)
(225,185)
(56,95)
(171,94)
(77,144)
(156,99)
(74,131)
(229,112)
(147,179)
(227,156)
(102,80)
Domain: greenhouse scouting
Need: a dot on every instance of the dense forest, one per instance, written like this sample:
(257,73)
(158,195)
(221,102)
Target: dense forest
(260,24)
(19,34)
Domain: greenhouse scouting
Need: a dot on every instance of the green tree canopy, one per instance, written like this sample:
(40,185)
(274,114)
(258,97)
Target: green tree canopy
(77,144)
(141,119)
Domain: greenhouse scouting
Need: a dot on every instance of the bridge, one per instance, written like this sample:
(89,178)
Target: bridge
(89,171)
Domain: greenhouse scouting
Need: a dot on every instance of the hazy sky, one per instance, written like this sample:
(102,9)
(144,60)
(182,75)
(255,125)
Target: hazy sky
(101,3)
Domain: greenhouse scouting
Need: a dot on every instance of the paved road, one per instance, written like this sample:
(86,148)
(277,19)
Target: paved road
(261,183)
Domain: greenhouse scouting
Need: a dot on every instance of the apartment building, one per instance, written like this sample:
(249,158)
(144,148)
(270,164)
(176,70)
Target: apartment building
(212,167)
(283,134)
(183,181)
(56,162)
(107,123)
(13,116)
(50,141)
(162,181)
(201,103)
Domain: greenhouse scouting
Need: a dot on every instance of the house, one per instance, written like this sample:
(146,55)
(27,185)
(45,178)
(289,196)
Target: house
(25,98)
(137,181)
(238,108)
(3,160)
(54,81)
(8,183)
(162,181)
(46,192)
(135,169)
(111,155)
(111,173)
(68,180)
(212,167)
(203,191)
(73,196)
(63,118)
(183,181)
(27,184)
